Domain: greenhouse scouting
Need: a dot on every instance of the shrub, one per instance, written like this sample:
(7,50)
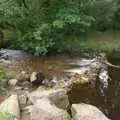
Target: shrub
(39,41)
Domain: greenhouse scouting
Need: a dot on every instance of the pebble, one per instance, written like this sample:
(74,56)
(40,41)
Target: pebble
(13,82)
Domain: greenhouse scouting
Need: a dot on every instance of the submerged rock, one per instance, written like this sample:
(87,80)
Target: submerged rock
(22,76)
(9,54)
(84,78)
(84,65)
(83,62)
(3,61)
(86,72)
(86,112)
(50,82)
(13,82)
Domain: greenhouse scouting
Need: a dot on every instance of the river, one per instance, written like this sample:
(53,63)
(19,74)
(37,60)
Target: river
(55,65)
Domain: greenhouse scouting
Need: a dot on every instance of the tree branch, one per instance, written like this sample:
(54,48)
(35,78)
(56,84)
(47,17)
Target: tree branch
(25,5)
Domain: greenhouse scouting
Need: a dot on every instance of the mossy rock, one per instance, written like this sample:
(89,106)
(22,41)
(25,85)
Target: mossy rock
(6,116)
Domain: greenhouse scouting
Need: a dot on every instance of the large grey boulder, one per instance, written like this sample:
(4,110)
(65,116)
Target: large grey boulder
(44,110)
(57,97)
(86,112)
(11,106)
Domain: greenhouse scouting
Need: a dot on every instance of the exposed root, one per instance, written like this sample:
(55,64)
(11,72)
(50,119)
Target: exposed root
(111,65)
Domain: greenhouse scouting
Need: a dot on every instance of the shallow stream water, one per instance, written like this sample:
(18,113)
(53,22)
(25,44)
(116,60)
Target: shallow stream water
(55,66)
(110,102)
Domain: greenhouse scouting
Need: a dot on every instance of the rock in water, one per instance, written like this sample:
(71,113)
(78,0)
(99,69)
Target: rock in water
(87,112)
(103,78)
(36,78)
(9,54)
(13,82)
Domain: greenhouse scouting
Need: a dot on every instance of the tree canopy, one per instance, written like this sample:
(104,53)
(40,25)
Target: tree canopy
(42,23)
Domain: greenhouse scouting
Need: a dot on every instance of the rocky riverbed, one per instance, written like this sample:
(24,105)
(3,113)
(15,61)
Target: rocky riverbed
(30,95)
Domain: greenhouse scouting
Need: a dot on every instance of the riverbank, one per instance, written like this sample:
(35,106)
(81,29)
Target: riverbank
(97,41)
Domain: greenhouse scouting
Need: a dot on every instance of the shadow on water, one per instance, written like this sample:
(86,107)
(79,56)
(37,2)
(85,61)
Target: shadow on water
(110,102)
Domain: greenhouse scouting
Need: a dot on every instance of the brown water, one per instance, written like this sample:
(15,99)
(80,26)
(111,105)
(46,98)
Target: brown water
(110,103)
(51,66)
(55,66)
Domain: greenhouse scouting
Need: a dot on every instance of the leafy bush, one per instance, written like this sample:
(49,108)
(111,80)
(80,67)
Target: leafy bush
(38,41)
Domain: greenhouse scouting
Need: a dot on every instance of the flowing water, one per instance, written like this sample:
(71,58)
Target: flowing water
(55,66)
(51,66)
(110,102)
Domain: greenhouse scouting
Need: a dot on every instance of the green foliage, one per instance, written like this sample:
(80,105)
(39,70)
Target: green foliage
(2,74)
(5,116)
(69,18)
(105,12)
(41,24)
(39,41)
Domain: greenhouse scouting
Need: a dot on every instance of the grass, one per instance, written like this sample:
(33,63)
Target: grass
(2,74)
(5,116)
(108,42)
